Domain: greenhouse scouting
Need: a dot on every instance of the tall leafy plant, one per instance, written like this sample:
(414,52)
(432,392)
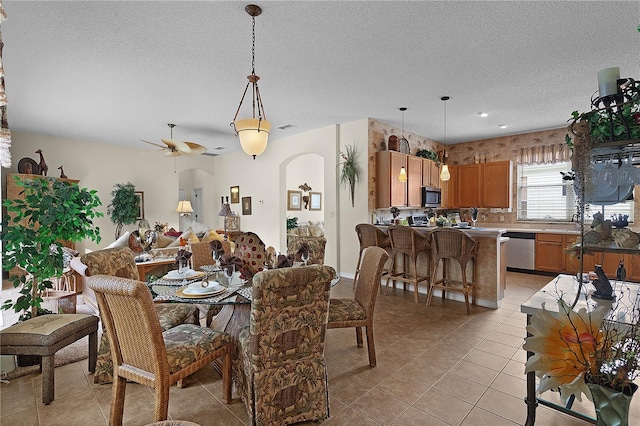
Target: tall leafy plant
(51,211)
(124,206)
(350,173)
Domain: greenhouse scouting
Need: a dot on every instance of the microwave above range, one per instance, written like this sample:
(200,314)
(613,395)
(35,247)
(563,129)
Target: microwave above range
(431,197)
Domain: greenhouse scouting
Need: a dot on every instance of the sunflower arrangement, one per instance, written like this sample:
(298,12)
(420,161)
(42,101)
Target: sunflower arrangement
(574,349)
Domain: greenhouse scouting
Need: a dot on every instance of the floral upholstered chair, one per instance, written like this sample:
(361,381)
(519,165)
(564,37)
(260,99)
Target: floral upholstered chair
(282,372)
(316,248)
(119,262)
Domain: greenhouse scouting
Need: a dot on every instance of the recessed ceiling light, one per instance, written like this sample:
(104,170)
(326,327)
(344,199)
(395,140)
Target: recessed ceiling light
(502,126)
(483,114)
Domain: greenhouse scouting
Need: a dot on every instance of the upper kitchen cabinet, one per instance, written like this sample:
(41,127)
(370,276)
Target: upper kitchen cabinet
(496,184)
(390,192)
(485,185)
(450,190)
(430,173)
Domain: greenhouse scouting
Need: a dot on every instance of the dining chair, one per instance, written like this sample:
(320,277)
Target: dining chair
(448,244)
(252,251)
(408,244)
(358,312)
(282,371)
(202,254)
(144,353)
(370,235)
(119,262)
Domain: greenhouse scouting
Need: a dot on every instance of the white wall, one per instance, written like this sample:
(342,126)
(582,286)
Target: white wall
(354,133)
(265,179)
(307,169)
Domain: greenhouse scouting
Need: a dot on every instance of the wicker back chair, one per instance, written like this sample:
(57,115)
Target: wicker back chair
(119,262)
(251,250)
(447,244)
(370,236)
(283,373)
(144,354)
(201,254)
(409,244)
(358,312)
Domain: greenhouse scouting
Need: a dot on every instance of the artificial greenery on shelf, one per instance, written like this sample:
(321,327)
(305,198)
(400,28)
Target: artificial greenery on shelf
(428,154)
(350,173)
(292,223)
(50,212)
(124,207)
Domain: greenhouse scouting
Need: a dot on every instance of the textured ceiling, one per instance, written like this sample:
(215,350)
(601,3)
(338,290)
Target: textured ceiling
(118,72)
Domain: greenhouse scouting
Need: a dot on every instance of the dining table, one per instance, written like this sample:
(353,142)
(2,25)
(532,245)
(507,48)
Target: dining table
(146,266)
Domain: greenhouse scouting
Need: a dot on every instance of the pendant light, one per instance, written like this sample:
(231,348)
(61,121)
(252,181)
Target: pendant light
(444,173)
(402,177)
(253,132)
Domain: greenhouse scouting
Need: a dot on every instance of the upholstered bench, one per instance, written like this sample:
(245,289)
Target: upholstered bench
(45,335)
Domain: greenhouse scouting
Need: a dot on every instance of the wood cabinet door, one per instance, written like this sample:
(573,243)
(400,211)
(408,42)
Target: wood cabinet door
(610,262)
(398,189)
(632,264)
(430,174)
(549,252)
(389,190)
(496,185)
(449,190)
(469,185)
(414,181)
(572,262)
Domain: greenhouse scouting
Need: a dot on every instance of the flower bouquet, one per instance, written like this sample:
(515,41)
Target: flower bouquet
(577,350)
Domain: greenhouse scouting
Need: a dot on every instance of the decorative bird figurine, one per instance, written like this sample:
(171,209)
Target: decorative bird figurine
(62,175)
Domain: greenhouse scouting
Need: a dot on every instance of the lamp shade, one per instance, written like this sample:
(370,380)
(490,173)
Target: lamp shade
(403,174)
(184,207)
(226,210)
(253,134)
(444,173)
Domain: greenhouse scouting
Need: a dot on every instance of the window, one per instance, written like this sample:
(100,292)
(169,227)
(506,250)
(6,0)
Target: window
(544,195)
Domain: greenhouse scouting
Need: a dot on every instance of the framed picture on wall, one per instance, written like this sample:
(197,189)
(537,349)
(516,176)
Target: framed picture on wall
(316,201)
(294,200)
(246,205)
(140,195)
(235,194)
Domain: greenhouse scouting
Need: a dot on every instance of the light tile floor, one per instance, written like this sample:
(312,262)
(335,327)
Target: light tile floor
(436,366)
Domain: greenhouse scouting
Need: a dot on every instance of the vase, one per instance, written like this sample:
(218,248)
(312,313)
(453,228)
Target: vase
(612,406)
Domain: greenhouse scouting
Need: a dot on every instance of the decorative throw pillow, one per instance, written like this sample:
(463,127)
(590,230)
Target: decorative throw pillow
(163,241)
(304,231)
(212,235)
(316,230)
(198,227)
(188,235)
(123,241)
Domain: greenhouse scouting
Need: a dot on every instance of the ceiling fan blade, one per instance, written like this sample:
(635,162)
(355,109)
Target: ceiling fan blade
(154,144)
(177,145)
(196,149)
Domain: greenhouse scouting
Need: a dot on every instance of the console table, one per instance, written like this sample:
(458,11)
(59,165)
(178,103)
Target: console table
(567,285)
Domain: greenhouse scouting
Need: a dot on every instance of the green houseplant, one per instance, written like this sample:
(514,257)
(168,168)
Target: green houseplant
(50,212)
(124,206)
(350,173)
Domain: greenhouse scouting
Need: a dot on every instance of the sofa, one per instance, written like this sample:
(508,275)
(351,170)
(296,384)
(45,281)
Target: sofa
(311,233)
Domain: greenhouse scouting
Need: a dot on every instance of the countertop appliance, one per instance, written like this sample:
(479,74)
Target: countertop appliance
(521,251)
(431,197)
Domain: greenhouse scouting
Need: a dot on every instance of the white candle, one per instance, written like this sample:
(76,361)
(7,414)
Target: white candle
(608,81)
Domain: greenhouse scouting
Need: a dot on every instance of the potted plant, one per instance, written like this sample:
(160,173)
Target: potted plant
(124,207)
(428,154)
(51,211)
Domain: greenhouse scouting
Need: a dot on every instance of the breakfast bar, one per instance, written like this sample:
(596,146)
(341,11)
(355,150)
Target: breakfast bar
(491,266)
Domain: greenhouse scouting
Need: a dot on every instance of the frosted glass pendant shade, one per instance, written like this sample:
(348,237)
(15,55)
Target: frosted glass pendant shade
(444,173)
(253,134)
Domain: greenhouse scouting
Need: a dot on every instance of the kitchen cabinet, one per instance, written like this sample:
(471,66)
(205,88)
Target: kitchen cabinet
(552,257)
(485,185)
(449,190)
(390,191)
(430,173)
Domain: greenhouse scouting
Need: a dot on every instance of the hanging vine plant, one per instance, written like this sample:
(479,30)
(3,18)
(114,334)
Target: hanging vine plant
(350,173)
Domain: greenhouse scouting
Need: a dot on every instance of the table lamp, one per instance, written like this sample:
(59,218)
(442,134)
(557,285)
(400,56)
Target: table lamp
(225,212)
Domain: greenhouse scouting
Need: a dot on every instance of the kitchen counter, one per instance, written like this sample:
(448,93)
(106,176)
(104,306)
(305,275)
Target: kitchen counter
(491,265)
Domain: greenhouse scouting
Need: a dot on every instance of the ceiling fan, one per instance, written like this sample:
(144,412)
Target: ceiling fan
(175,148)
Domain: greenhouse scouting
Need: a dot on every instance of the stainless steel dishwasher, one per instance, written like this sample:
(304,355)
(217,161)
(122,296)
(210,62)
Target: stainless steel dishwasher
(521,251)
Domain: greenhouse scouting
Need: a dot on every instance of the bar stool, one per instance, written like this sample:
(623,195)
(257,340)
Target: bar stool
(409,243)
(455,244)
(370,235)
